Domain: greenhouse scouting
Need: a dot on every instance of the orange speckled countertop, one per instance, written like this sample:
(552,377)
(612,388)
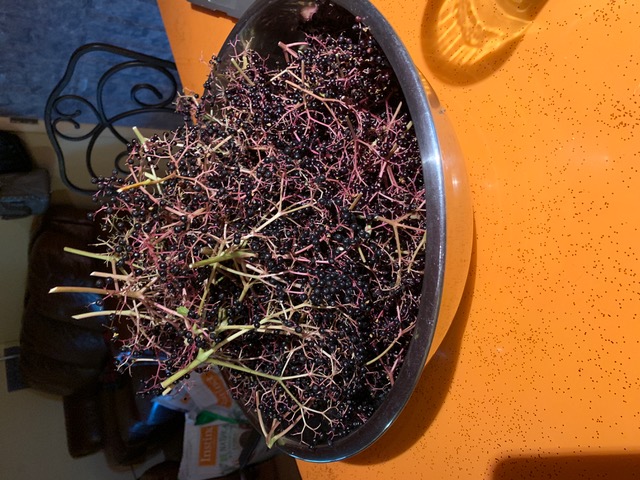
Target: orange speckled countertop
(539,375)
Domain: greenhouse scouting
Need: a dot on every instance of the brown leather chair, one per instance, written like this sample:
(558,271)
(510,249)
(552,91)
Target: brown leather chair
(74,359)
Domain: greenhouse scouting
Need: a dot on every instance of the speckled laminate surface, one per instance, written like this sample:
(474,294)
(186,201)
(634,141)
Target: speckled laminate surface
(539,376)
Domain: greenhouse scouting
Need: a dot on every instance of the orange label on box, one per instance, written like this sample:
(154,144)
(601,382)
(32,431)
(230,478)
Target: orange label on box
(217,387)
(208,446)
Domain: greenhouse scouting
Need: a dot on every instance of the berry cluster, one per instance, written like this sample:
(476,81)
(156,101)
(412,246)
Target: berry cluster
(278,235)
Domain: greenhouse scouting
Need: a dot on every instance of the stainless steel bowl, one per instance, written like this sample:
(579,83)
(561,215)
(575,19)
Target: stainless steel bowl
(449,221)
